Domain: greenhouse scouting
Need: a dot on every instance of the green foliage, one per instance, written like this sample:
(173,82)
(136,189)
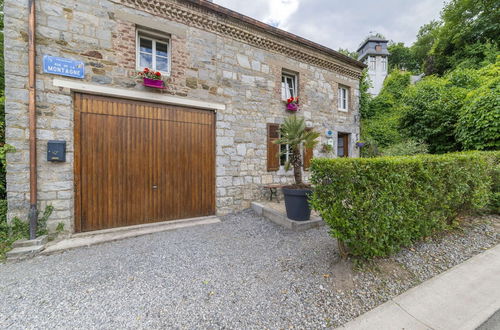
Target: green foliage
(380,123)
(479,123)
(468,34)
(4,149)
(407,147)
(18,229)
(426,37)
(293,132)
(430,113)
(364,97)
(60,227)
(41,228)
(349,53)
(402,58)
(377,205)
(395,84)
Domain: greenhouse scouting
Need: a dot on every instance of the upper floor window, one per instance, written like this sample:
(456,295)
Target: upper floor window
(384,63)
(153,51)
(373,63)
(288,86)
(343,98)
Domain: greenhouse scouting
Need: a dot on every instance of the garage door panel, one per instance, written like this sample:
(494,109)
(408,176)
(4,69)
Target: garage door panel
(136,109)
(136,169)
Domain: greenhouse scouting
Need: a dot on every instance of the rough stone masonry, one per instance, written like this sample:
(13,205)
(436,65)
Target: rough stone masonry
(215,56)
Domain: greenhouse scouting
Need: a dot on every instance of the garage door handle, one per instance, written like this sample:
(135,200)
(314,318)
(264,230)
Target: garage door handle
(155,186)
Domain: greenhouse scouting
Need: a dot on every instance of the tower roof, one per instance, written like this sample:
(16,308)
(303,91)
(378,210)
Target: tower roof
(369,47)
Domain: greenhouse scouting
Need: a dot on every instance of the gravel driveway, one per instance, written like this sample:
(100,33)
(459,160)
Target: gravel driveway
(244,272)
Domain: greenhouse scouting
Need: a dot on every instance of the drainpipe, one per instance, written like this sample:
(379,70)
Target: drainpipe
(32,118)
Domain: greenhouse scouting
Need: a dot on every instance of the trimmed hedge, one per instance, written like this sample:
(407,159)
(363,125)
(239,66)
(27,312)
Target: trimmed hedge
(377,205)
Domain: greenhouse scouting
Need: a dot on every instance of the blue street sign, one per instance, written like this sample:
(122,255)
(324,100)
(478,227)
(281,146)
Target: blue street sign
(63,66)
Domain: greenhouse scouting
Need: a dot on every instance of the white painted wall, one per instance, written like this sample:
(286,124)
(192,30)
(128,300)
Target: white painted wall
(378,75)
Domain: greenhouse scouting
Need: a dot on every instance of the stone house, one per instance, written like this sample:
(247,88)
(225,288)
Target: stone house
(136,154)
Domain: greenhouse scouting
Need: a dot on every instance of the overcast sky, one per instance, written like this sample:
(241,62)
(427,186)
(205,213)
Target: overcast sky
(342,24)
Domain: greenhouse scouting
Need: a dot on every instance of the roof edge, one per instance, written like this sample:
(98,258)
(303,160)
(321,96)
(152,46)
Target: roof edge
(371,39)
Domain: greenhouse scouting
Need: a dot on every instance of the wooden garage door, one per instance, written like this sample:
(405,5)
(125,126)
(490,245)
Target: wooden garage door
(139,162)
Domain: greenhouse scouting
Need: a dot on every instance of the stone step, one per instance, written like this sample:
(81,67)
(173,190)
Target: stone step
(42,240)
(23,252)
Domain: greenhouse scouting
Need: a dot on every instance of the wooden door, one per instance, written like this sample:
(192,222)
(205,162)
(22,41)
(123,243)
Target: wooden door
(343,145)
(139,162)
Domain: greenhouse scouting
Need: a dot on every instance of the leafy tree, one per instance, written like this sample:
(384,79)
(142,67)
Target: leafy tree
(469,32)
(479,123)
(426,37)
(349,53)
(380,124)
(364,96)
(402,57)
(430,113)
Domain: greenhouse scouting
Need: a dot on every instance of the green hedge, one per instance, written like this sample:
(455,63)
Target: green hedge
(377,205)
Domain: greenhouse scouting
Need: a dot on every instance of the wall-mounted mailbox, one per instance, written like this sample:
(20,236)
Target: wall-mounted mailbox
(56,151)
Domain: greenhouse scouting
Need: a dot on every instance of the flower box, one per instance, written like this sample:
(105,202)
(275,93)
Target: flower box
(292,107)
(360,144)
(151,78)
(154,83)
(292,104)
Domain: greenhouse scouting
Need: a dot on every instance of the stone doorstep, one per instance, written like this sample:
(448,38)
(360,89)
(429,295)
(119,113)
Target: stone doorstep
(42,240)
(24,252)
(281,219)
(114,234)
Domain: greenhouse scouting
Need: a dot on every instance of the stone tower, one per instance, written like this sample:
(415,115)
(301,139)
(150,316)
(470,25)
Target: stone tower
(373,52)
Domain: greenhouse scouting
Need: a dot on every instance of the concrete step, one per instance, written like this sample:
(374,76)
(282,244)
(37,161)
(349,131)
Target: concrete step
(42,240)
(281,219)
(109,235)
(24,252)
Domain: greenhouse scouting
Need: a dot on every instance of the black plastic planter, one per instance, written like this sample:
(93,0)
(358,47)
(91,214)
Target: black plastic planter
(296,203)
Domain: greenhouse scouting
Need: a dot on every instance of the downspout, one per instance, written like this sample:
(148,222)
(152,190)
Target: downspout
(33,213)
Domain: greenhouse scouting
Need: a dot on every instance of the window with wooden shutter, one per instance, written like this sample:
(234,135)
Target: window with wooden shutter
(308,155)
(273,150)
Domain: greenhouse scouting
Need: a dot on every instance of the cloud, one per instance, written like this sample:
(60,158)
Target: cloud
(280,11)
(340,24)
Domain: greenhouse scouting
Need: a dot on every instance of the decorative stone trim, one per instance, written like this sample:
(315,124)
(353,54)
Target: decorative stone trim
(135,95)
(201,18)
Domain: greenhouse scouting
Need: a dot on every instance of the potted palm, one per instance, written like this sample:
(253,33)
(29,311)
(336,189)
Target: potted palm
(293,132)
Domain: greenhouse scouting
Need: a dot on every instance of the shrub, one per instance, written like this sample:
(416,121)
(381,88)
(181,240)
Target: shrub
(430,113)
(479,119)
(18,229)
(377,205)
(408,147)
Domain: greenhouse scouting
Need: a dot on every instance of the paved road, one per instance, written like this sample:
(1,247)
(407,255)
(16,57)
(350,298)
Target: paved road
(493,323)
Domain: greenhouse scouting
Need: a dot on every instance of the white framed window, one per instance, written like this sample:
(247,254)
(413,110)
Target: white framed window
(373,63)
(384,63)
(288,86)
(153,52)
(343,96)
(285,154)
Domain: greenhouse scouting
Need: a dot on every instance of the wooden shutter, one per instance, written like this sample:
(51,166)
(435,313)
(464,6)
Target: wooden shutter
(308,155)
(273,159)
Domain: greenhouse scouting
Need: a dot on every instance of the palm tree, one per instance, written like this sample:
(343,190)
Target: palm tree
(294,133)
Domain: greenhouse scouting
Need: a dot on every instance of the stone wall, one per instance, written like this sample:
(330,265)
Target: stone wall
(205,66)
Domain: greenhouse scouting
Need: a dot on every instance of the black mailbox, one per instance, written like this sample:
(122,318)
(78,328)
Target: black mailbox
(56,151)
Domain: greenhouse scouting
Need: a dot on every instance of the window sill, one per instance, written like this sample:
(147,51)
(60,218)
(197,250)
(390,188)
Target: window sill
(163,73)
(343,110)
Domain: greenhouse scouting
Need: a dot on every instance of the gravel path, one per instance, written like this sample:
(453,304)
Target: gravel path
(244,272)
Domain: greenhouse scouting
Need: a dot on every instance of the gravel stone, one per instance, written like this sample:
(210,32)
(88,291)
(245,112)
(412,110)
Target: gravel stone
(244,272)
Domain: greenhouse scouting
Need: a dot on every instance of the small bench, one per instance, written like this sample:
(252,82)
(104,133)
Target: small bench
(273,190)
